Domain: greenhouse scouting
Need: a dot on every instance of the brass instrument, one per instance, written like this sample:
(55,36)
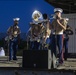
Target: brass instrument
(12,33)
(37,16)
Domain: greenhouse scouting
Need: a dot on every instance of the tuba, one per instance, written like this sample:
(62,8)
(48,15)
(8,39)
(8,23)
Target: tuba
(37,16)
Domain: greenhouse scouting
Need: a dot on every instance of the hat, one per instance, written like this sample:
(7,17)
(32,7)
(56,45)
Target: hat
(58,10)
(16,19)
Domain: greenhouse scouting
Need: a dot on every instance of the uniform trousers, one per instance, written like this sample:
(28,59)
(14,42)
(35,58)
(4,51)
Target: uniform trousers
(57,41)
(65,47)
(13,46)
(34,45)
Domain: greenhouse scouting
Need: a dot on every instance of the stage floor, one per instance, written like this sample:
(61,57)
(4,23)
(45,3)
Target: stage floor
(4,62)
(69,64)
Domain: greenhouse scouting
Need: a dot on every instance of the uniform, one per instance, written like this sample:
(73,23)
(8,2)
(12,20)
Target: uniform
(57,34)
(47,35)
(36,30)
(36,34)
(47,32)
(67,32)
(14,34)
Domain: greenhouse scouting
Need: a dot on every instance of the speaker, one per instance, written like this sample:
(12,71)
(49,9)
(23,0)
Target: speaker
(37,59)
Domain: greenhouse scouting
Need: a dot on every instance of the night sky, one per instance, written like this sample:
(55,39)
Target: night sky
(23,10)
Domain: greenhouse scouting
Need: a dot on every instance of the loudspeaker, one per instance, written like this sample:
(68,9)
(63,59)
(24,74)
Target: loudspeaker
(37,59)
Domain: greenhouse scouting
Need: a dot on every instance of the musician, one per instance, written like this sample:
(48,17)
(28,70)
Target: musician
(14,35)
(36,35)
(58,26)
(36,30)
(67,32)
(47,31)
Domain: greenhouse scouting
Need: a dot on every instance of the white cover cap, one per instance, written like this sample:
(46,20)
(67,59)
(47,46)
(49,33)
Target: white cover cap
(58,9)
(16,19)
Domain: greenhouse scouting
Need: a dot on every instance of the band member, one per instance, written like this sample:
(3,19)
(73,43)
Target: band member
(58,26)
(36,36)
(67,32)
(14,34)
(47,31)
(36,31)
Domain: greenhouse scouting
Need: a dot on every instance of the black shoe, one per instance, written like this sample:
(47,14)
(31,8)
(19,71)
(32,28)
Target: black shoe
(61,62)
(65,59)
(15,59)
(10,59)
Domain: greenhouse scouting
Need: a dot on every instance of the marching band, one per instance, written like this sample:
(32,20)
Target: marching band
(42,34)
(46,35)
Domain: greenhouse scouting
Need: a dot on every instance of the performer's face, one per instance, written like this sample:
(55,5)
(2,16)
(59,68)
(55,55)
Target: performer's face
(58,14)
(16,22)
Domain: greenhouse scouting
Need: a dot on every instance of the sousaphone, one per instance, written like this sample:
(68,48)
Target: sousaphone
(37,16)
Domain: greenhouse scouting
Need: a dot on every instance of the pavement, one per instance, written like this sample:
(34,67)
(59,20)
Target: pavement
(70,64)
(4,62)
